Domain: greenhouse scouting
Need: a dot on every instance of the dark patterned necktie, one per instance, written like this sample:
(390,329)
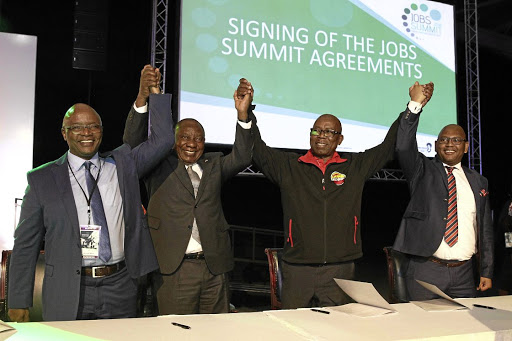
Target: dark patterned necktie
(98,214)
(194,178)
(451,234)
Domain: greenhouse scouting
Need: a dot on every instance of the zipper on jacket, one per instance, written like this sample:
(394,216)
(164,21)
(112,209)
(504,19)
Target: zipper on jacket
(325,231)
(355,229)
(290,238)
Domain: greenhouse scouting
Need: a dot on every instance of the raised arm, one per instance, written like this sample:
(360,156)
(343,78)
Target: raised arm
(379,155)
(136,126)
(406,144)
(267,159)
(241,154)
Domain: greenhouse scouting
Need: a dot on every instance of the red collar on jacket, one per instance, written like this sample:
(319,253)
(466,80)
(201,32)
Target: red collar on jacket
(310,158)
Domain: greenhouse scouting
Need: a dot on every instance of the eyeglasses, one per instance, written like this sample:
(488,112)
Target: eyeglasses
(327,132)
(77,128)
(454,140)
(187,138)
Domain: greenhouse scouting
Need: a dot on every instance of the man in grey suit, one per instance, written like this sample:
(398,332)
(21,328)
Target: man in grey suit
(448,219)
(186,220)
(85,196)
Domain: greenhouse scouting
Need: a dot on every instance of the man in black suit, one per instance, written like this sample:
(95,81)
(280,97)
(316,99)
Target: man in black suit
(186,220)
(448,219)
(87,196)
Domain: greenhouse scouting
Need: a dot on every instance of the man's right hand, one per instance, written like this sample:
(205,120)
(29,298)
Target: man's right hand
(244,88)
(19,315)
(149,83)
(421,93)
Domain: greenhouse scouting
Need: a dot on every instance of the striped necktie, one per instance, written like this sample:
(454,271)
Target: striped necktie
(451,234)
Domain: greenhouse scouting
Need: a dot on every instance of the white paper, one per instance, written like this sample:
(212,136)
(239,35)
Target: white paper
(446,303)
(366,295)
(361,310)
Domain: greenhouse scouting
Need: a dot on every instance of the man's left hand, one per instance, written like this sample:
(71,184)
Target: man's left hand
(485,283)
(243,98)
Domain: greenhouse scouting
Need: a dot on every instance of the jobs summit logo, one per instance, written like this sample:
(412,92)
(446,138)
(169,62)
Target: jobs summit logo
(421,20)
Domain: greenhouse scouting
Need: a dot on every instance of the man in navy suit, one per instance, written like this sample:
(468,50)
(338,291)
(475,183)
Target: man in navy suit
(448,219)
(88,196)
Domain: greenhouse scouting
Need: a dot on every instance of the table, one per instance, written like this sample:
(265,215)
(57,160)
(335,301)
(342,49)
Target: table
(411,322)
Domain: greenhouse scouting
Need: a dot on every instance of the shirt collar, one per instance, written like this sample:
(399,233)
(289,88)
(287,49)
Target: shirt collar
(310,158)
(457,166)
(76,162)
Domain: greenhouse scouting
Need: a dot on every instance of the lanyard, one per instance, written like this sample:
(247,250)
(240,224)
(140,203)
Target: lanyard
(88,199)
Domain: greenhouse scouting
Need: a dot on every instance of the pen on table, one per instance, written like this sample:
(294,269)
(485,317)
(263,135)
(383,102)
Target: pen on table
(180,325)
(321,311)
(483,306)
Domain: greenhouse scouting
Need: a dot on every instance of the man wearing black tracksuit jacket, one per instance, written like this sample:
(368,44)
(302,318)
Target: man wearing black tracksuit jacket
(321,197)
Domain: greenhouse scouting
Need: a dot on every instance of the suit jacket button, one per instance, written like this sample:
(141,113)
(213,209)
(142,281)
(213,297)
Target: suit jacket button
(189,227)
(445,199)
(444,218)
(195,206)
(78,272)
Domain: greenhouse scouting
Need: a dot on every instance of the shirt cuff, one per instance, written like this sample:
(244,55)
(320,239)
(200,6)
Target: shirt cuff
(141,110)
(414,107)
(245,125)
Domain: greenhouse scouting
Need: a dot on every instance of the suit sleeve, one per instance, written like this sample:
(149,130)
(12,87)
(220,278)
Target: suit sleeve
(241,155)
(407,147)
(28,239)
(136,128)
(268,160)
(161,140)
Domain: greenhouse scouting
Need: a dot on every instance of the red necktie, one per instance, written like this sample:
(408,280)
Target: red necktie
(451,234)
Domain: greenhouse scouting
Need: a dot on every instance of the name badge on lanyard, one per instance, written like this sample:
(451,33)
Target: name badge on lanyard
(90,240)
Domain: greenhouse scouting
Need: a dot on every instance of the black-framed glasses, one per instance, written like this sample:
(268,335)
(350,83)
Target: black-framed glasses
(454,140)
(79,128)
(327,132)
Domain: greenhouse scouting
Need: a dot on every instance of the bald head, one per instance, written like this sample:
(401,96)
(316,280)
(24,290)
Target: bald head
(79,107)
(453,128)
(188,122)
(329,118)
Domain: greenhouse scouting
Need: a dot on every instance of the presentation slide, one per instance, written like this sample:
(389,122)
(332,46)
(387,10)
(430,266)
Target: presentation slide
(353,59)
(17,94)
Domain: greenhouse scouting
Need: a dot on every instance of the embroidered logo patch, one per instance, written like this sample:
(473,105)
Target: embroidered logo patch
(338,178)
(483,193)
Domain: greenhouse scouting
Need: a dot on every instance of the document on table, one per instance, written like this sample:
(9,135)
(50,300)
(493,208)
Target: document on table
(369,302)
(4,326)
(445,303)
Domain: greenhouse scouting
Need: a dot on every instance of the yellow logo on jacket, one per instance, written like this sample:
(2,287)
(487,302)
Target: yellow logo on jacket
(338,178)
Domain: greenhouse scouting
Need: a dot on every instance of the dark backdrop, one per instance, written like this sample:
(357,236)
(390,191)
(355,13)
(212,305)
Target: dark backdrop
(250,201)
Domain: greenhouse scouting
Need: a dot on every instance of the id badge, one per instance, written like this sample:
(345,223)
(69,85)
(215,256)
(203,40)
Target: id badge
(508,239)
(90,240)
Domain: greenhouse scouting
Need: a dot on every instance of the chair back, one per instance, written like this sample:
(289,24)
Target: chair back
(36,311)
(397,266)
(274,256)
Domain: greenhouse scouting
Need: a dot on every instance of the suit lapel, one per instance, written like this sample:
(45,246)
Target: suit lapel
(474,182)
(182,175)
(441,169)
(206,166)
(61,177)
